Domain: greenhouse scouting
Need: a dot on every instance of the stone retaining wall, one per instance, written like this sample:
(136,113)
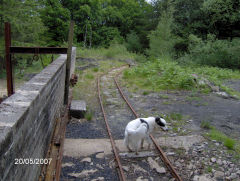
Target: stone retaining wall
(27,119)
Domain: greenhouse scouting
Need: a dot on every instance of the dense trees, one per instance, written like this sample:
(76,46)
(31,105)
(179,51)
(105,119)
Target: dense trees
(156,28)
(26,24)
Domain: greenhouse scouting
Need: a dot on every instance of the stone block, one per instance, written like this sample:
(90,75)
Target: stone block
(78,108)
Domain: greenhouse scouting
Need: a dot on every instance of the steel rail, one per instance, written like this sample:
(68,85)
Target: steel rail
(163,156)
(122,176)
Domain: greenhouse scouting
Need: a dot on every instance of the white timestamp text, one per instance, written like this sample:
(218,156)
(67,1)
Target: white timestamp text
(32,161)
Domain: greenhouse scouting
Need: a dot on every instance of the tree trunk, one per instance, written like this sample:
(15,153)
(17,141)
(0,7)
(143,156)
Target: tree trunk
(90,41)
(85,37)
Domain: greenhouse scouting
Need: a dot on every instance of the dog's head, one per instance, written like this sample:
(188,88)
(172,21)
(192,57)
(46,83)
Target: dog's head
(162,123)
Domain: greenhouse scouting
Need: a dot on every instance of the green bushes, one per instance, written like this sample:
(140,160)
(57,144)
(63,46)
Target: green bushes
(212,52)
(133,42)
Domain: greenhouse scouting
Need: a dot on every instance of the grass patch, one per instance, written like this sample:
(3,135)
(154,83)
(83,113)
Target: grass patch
(209,169)
(163,96)
(145,93)
(215,134)
(176,116)
(221,137)
(95,69)
(194,98)
(206,125)
(89,115)
(89,76)
(228,142)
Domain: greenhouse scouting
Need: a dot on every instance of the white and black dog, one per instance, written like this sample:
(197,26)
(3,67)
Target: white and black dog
(139,129)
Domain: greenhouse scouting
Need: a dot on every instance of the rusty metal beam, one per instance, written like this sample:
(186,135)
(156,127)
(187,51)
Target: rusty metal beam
(9,66)
(38,50)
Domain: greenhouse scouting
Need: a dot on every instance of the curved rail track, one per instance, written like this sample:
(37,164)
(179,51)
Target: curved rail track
(119,165)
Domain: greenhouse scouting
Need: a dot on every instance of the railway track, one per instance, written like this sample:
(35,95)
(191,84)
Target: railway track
(119,166)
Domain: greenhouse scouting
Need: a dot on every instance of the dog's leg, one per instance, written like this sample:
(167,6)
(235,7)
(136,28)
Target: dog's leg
(142,143)
(137,150)
(126,142)
(138,146)
(149,142)
(129,149)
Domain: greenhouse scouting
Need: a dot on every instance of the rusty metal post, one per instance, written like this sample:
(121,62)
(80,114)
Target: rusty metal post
(68,64)
(9,66)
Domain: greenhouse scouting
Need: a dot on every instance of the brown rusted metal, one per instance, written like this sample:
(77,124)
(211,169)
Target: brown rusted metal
(9,66)
(38,50)
(121,174)
(9,50)
(163,156)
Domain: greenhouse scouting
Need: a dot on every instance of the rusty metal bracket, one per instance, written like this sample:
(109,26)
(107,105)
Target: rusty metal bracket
(10,50)
(38,50)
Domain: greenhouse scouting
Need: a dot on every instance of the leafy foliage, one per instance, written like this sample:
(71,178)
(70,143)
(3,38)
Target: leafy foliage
(133,42)
(56,19)
(162,40)
(213,52)
(223,17)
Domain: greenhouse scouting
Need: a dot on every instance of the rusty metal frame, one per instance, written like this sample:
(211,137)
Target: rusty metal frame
(10,84)
(38,50)
(9,50)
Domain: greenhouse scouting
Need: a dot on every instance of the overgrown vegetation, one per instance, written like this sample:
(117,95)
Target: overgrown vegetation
(116,51)
(213,52)
(165,74)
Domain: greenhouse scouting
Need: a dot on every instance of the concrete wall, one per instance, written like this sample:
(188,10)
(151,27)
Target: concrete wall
(27,119)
